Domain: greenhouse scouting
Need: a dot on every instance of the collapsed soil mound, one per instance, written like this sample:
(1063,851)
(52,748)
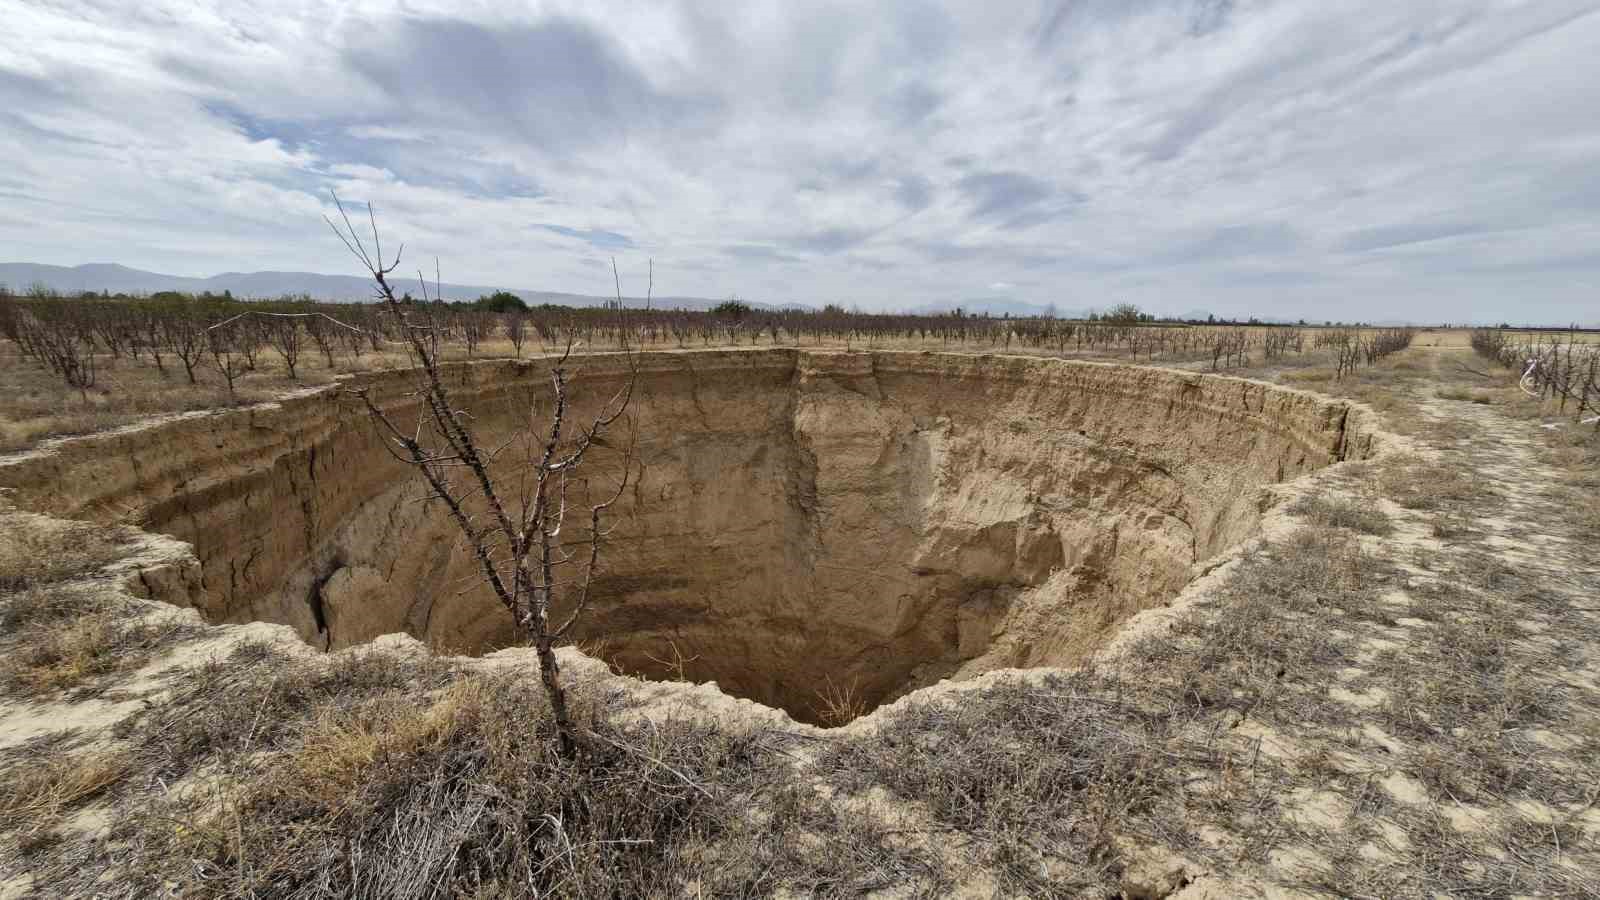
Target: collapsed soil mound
(804,524)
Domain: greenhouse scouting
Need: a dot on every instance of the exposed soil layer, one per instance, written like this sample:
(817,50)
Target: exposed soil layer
(805,522)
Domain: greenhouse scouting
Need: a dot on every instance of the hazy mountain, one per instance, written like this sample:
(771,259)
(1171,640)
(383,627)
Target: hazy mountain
(122,279)
(996,306)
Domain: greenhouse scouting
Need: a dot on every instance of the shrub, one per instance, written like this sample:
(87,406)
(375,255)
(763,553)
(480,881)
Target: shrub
(500,302)
(1361,515)
(732,308)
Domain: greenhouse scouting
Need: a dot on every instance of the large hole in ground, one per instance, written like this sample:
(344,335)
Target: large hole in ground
(806,524)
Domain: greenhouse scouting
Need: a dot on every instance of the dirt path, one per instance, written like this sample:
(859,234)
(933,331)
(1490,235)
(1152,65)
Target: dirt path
(1475,695)
(1534,529)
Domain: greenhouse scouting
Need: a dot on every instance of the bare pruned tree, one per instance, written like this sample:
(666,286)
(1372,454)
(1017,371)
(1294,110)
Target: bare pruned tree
(526,508)
(186,337)
(285,336)
(224,343)
(516,325)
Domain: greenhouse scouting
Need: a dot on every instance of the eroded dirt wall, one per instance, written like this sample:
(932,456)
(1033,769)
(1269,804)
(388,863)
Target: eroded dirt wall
(872,520)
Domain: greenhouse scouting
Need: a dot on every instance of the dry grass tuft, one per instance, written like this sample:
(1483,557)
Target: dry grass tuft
(465,791)
(36,789)
(68,653)
(1255,654)
(1316,377)
(1416,483)
(1465,395)
(1039,779)
(839,704)
(258,697)
(1355,513)
(35,550)
(1451,524)
(63,655)
(49,606)
(340,747)
(64,638)
(378,774)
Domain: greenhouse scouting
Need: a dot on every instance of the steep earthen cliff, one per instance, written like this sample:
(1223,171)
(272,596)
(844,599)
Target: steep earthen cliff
(872,521)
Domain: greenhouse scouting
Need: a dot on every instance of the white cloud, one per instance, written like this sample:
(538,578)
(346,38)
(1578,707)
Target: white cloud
(1433,159)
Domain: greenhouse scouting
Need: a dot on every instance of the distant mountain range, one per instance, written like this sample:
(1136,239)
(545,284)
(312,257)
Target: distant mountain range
(343,288)
(337,288)
(19,276)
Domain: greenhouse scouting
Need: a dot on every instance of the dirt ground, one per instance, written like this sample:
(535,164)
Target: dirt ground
(1392,692)
(1459,717)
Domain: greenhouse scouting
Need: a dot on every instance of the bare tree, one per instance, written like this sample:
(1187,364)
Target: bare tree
(246,337)
(516,325)
(472,329)
(187,338)
(152,326)
(285,336)
(516,526)
(323,337)
(224,343)
(61,341)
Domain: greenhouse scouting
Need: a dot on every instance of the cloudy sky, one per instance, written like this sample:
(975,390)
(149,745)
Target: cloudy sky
(1357,159)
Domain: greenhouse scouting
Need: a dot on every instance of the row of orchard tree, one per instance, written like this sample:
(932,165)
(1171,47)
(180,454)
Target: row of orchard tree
(1557,367)
(179,332)
(1351,347)
(71,335)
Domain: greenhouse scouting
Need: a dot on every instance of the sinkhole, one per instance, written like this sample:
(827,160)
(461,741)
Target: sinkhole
(806,527)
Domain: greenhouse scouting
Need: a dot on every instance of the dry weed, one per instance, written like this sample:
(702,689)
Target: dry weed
(47,606)
(377,774)
(1355,513)
(1465,395)
(258,696)
(1308,377)
(42,783)
(1039,778)
(1416,483)
(67,639)
(839,704)
(36,551)
(467,792)
(1451,525)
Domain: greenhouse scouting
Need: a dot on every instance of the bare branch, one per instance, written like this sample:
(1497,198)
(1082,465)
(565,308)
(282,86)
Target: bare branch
(522,553)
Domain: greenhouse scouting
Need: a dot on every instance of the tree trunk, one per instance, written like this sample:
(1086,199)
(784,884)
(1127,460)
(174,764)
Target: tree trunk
(550,673)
